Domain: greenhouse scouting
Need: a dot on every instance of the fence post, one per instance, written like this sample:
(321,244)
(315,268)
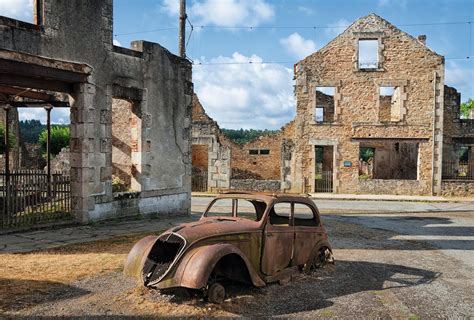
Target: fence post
(7,163)
(48,148)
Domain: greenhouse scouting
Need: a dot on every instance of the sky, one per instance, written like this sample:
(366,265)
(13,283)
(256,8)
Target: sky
(227,34)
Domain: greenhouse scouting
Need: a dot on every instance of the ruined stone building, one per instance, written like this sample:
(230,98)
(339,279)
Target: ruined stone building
(373,116)
(374,89)
(130,109)
(224,164)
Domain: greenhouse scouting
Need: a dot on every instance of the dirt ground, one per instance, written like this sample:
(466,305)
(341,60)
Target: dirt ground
(375,276)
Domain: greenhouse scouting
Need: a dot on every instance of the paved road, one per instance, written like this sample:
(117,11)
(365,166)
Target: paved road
(348,206)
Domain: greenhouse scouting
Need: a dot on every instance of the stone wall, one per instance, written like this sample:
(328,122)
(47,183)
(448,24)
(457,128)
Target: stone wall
(158,83)
(255,185)
(268,166)
(452,188)
(404,62)
(61,162)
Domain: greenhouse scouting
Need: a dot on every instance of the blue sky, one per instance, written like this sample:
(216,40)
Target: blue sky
(261,95)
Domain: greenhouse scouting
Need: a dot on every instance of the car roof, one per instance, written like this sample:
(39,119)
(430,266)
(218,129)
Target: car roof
(265,196)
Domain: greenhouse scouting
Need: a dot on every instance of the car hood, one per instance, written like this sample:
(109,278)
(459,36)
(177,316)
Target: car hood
(213,226)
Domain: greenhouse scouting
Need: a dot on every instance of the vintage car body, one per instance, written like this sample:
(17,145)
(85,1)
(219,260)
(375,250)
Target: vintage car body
(280,240)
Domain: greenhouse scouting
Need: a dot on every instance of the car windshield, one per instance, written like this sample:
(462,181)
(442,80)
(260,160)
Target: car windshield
(244,208)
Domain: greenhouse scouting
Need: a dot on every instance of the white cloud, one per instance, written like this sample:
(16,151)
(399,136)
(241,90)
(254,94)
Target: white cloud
(245,95)
(17,9)
(224,12)
(298,46)
(306,10)
(117,43)
(58,115)
(171,7)
(337,27)
(460,78)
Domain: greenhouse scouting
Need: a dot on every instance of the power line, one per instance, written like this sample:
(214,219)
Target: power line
(293,27)
(197,63)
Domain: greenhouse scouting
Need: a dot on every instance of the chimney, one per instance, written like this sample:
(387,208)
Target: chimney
(422,38)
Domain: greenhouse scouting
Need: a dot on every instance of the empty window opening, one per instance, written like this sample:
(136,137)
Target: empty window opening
(389,104)
(126,135)
(324,110)
(253,151)
(264,151)
(24,10)
(366,162)
(388,160)
(461,165)
(368,55)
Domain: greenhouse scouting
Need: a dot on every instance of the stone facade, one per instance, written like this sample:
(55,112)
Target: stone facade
(413,115)
(157,82)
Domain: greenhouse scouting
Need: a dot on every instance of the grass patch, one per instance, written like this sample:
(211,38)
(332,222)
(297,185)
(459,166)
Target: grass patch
(27,278)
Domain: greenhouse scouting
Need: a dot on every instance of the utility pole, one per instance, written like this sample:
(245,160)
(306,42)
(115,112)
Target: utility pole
(182,28)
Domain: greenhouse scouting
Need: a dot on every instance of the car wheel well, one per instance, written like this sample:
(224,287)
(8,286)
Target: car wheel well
(231,267)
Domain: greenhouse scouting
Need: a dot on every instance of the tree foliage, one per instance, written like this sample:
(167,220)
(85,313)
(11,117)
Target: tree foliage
(366,153)
(59,139)
(242,136)
(30,130)
(11,139)
(466,107)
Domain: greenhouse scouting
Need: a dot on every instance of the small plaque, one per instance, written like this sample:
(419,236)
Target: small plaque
(347,164)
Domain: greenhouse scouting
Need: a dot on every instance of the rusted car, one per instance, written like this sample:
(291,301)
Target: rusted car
(248,237)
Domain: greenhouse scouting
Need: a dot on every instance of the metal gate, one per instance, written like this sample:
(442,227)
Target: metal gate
(31,196)
(199,181)
(323,181)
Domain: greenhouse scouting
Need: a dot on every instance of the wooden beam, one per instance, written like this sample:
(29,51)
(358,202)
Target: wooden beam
(36,71)
(20,92)
(35,83)
(43,104)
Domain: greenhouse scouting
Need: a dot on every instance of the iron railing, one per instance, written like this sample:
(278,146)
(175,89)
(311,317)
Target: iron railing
(323,181)
(29,197)
(458,170)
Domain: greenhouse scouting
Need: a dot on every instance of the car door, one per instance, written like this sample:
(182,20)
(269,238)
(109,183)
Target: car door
(278,236)
(308,232)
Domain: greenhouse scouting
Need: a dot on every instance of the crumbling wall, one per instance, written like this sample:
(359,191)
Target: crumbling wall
(206,132)
(419,72)
(157,81)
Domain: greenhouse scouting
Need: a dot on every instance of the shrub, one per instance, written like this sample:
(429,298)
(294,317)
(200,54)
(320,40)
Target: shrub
(59,139)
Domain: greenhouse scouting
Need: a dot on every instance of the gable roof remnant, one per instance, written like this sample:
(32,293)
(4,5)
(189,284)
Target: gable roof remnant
(372,23)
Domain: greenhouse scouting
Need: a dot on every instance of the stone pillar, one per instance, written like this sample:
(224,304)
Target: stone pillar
(82,151)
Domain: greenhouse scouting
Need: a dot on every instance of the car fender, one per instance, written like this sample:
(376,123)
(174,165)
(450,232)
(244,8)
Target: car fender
(200,262)
(320,244)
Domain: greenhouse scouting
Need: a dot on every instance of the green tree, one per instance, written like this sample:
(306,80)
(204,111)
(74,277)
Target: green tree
(59,139)
(30,130)
(11,139)
(242,136)
(466,107)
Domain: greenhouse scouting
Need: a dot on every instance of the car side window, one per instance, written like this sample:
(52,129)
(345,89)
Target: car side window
(304,216)
(280,214)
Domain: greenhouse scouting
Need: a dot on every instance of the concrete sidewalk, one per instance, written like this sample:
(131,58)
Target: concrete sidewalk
(53,238)
(370,197)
